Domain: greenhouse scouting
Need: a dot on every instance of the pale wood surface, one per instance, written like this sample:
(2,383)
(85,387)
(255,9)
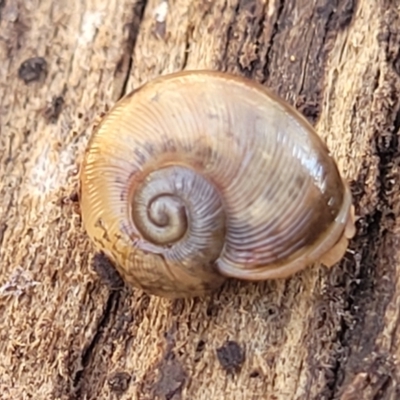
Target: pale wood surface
(324,334)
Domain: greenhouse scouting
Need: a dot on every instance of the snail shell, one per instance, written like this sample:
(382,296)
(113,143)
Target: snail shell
(200,176)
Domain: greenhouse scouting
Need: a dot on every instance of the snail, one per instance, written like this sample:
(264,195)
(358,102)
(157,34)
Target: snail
(200,176)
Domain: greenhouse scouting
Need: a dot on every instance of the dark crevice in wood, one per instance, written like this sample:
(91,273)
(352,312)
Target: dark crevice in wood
(224,47)
(362,318)
(137,18)
(375,238)
(188,40)
(258,35)
(229,36)
(275,31)
(115,325)
(396,126)
(244,47)
(110,307)
(3,228)
(2,4)
(297,73)
(325,17)
(322,43)
(345,14)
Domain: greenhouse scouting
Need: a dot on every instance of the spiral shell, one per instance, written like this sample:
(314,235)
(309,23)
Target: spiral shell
(200,176)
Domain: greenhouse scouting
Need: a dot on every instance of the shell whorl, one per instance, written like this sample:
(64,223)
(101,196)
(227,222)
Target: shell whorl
(197,176)
(179,214)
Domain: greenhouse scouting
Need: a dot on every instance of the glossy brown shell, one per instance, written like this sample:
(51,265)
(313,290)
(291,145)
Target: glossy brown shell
(198,176)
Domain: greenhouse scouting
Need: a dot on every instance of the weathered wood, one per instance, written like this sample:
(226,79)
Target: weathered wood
(324,334)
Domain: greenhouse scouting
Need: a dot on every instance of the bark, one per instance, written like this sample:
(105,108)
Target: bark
(66,334)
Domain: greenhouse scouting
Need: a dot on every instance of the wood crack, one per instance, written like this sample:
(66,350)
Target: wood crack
(109,310)
(275,31)
(376,235)
(125,64)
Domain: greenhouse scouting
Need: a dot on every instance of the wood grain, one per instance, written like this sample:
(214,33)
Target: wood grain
(323,334)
